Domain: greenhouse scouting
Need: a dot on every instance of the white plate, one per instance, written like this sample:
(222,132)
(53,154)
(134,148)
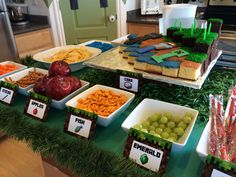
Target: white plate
(40,57)
(149,106)
(21,67)
(61,104)
(104,121)
(21,74)
(202,146)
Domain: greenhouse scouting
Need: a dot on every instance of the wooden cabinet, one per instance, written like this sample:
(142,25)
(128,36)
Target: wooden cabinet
(142,29)
(32,42)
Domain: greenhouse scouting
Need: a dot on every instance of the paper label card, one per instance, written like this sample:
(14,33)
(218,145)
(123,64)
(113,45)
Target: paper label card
(146,156)
(128,83)
(36,109)
(80,123)
(79,126)
(217,173)
(6,95)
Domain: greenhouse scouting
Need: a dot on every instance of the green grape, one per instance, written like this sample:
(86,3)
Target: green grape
(168,130)
(159,130)
(171,124)
(189,115)
(165,135)
(155,124)
(151,128)
(173,139)
(187,119)
(138,126)
(164,120)
(157,115)
(163,126)
(177,119)
(152,132)
(182,124)
(172,134)
(168,115)
(146,124)
(179,131)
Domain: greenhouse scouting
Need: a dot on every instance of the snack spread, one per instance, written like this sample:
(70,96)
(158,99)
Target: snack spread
(70,55)
(102,102)
(27,80)
(6,68)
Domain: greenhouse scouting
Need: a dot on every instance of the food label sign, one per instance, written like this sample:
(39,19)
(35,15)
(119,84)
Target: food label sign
(6,95)
(146,156)
(79,126)
(129,81)
(36,109)
(80,123)
(217,173)
(37,106)
(7,92)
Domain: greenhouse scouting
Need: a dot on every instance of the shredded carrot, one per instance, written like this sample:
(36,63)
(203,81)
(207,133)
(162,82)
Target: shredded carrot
(6,68)
(102,102)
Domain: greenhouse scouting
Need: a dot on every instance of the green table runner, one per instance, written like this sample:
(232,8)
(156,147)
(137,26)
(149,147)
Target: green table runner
(95,158)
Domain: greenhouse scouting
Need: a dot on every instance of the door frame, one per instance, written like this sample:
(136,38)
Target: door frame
(57,27)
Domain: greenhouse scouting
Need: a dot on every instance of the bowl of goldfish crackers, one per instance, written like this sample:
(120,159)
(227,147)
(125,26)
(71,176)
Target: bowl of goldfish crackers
(107,102)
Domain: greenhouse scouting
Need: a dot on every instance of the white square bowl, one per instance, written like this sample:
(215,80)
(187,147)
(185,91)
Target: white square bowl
(61,104)
(149,106)
(21,74)
(202,147)
(20,66)
(104,121)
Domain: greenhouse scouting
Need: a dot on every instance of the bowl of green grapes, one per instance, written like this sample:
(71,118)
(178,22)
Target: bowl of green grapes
(168,121)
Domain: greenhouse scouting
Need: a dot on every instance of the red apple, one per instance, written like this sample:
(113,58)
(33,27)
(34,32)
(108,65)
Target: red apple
(59,68)
(58,87)
(40,85)
(75,83)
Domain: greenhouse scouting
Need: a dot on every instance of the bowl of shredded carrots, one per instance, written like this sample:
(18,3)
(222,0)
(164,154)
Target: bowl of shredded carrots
(106,102)
(10,67)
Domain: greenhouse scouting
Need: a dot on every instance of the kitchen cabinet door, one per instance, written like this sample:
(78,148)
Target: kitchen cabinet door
(89,21)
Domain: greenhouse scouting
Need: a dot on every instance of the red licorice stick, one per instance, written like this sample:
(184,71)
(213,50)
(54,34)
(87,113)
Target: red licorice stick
(212,138)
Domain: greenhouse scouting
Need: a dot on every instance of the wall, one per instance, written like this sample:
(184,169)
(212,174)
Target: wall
(37,7)
(133,4)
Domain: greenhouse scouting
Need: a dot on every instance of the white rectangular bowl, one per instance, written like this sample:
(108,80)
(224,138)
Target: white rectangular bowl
(61,104)
(149,106)
(21,74)
(21,67)
(104,121)
(202,147)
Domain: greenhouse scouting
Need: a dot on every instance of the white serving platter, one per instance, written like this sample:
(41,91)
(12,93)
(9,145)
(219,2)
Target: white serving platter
(113,60)
(40,57)
(149,106)
(21,74)
(104,121)
(21,67)
(61,104)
